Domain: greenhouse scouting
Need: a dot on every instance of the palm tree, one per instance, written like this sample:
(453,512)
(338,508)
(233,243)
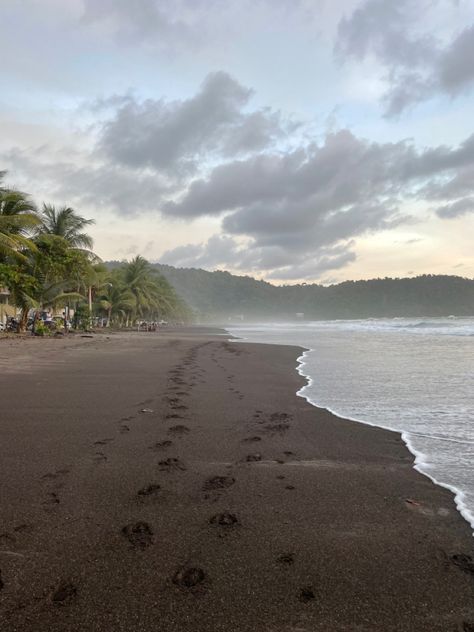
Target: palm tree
(17,218)
(66,223)
(138,277)
(116,300)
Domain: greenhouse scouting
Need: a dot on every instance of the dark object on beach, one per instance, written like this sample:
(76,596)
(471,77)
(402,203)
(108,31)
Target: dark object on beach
(464,562)
(306,594)
(252,458)
(149,490)
(189,577)
(2,584)
(288,453)
(286,559)
(139,534)
(467,626)
(224,519)
(218,482)
(171,464)
(290,487)
(63,592)
(86,336)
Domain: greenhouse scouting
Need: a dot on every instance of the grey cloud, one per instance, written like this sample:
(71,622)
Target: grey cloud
(155,22)
(291,204)
(225,252)
(456,209)
(172,136)
(96,185)
(417,65)
(456,69)
(314,266)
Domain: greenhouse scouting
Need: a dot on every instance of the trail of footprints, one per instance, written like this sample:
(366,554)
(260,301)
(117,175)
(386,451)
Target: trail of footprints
(140,535)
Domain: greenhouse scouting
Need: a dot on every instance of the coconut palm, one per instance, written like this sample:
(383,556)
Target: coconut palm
(17,218)
(139,278)
(66,223)
(116,300)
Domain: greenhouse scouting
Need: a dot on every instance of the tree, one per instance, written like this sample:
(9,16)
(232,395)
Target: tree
(66,223)
(17,218)
(44,277)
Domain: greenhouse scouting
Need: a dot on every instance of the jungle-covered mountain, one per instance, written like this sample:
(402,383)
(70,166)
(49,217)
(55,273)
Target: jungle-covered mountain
(221,297)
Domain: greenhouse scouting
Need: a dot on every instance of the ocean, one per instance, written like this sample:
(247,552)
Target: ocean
(415,376)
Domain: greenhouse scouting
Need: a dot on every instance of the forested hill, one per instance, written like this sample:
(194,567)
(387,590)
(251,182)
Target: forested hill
(221,296)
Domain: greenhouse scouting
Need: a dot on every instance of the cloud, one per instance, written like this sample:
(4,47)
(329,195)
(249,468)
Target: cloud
(154,22)
(84,182)
(173,136)
(221,251)
(456,209)
(417,65)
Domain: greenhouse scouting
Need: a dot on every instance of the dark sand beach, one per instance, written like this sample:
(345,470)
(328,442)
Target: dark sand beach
(173,481)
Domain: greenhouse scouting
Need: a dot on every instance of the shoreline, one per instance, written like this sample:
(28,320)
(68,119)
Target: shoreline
(334,528)
(419,457)
(458,494)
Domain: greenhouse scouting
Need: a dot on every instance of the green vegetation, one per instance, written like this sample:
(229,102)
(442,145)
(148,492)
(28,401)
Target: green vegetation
(220,296)
(47,264)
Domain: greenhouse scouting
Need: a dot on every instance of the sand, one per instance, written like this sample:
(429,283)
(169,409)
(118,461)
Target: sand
(174,481)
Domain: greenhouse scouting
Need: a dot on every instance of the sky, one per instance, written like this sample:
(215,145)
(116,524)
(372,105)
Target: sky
(290,140)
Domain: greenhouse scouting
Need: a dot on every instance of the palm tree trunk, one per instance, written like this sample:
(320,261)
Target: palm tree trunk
(23,320)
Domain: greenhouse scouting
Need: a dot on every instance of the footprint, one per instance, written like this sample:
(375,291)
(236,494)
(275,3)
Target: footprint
(306,594)
(280,417)
(102,441)
(64,593)
(279,428)
(173,416)
(179,430)
(218,482)
(252,439)
(288,453)
(286,559)
(171,464)
(280,477)
(291,487)
(139,534)
(161,444)
(149,490)
(56,474)
(124,429)
(253,458)
(189,577)
(51,501)
(464,562)
(99,457)
(224,519)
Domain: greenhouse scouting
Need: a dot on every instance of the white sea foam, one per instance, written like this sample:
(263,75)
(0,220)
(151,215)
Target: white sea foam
(417,375)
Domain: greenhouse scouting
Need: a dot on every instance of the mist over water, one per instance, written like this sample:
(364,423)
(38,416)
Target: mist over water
(415,376)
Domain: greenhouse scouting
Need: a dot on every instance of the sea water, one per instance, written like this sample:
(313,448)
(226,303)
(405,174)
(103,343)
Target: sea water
(415,376)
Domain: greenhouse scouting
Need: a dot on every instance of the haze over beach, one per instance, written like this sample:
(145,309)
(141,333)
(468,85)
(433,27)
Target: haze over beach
(237,316)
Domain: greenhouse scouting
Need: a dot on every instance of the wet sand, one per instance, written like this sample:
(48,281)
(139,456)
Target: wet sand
(174,482)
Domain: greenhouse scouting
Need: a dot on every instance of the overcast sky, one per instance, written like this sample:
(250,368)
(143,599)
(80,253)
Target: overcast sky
(292,140)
